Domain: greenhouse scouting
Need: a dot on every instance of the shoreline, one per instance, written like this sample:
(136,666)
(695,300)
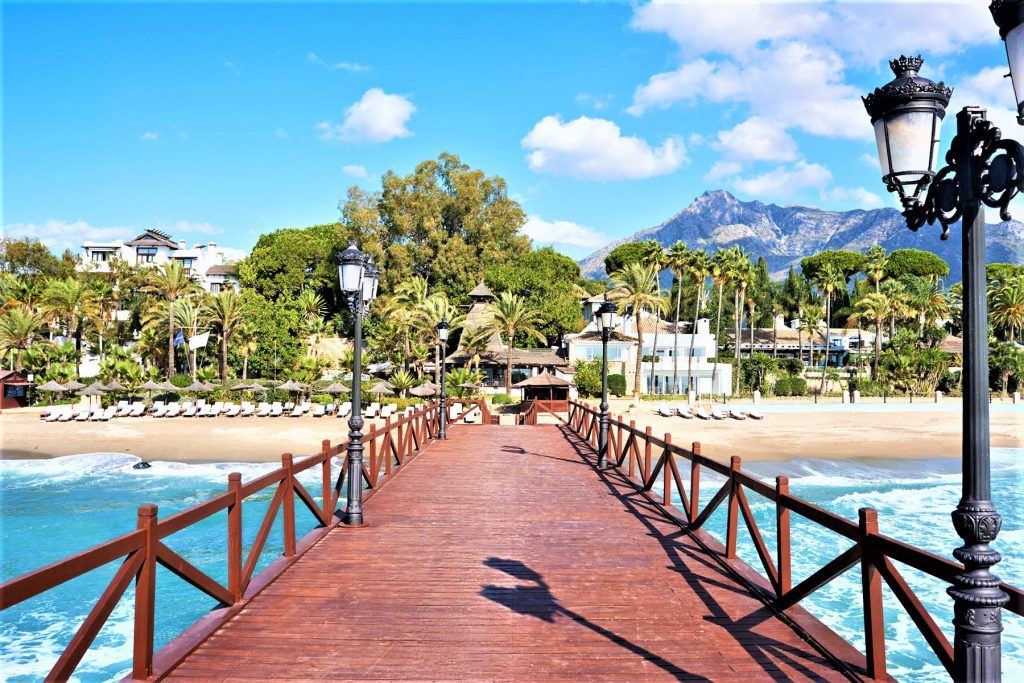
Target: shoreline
(919,431)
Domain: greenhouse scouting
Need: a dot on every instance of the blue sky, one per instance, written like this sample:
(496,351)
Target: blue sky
(221,122)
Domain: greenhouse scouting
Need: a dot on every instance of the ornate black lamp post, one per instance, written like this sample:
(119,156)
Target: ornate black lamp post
(358,278)
(981,168)
(442,338)
(605,321)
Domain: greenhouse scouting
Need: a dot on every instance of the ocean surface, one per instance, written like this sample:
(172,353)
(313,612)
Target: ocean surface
(52,508)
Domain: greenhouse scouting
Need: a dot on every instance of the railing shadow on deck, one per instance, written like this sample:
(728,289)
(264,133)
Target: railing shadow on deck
(631,453)
(389,448)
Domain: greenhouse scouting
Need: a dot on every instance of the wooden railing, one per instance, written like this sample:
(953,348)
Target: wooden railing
(642,458)
(140,551)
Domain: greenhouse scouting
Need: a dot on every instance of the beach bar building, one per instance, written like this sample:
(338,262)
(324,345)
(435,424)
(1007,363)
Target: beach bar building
(13,390)
(551,391)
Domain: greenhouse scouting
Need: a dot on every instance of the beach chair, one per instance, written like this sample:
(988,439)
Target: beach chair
(276,410)
(138,408)
(290,405)
(319,410)
(263,410)
(216,410)
(755,415)
(685,413)
(173,410)
(718,413)
(66,416)
(159,410)
(233,410)
(371,410)
(665,410)
(189,409)
(701,413)
(157,405)
(94,415)
(110,412)
(345,409)
(52,414)
(296,411)
(122,409)
(248,410)
(388,410)
(737,414)
(330,409)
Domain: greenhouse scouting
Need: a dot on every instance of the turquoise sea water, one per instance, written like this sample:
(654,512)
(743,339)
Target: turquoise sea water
(50,509)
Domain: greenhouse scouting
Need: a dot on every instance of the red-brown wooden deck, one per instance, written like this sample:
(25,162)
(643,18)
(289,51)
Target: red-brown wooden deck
(501,554)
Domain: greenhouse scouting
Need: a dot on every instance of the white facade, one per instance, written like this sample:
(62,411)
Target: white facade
(623,348)
(204,262)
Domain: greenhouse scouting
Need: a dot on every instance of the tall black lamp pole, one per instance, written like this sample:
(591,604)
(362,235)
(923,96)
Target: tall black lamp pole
(605,320)
(981,168)
(442,338)
(358,278)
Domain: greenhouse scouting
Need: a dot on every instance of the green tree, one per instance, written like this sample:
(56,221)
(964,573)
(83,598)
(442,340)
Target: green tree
(170,282)
(846,262)
(631,252)
(873,307)
(431,312)
(285,262)
(829,280)
(916,262)
(677,258)
(699,268)
(636,290)
(875,265)
(26,256)
(510,315)
(588,377)
(69,302)
(1006,303)
(19,328)
(225,313)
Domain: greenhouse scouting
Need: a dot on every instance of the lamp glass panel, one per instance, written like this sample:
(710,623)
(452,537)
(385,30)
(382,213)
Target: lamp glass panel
(607,320)
(442,333)
(351,275)
(1015,56)
(912,144)
(369,286)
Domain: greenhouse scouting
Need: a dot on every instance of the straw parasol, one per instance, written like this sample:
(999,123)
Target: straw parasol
(116,386)
(168,386)
(151,386)
(73,385)
(242,386)
(469,385)
(210,386)
(288,386)
(380,388)
(195,386)
(336,388)
(96,386)
(423,391)
(256,386)
(94,389)
(51,386)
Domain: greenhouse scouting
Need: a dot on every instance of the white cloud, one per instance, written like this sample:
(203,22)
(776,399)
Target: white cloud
(856,196)
(354,170)
(563,233)
(723,168)
(376,117)
(61,235)
(987,89)
(281,133)
(149,136)
(595,149)
(756,139)
(232,254)
(784,181)
(596,102)
(351,67)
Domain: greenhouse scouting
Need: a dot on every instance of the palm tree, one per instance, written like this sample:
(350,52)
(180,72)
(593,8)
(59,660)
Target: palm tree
(751,308)
(311,304)
(677,258)
(699,267)
(432,311)
(189,318)
(402,381)
(1007,304)
(225,310)
(810,314)
(721,275)
(636,290)
(19,327)
(511,315)
(829,280)
(474,342)
(741,276)
(315,328)
(171,282)
(151,346)
(875,265)
(896,292)
(68,301)
(873,307)
(248,342)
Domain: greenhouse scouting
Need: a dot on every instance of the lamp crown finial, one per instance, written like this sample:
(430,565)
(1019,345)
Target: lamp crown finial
(905,64)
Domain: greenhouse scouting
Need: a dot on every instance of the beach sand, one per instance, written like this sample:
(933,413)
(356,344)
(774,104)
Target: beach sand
(809,431)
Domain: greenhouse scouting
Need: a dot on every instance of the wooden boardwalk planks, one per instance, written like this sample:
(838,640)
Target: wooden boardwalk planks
(502,555)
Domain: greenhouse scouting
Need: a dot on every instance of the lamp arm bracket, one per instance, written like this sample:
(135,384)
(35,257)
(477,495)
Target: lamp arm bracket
(998,177)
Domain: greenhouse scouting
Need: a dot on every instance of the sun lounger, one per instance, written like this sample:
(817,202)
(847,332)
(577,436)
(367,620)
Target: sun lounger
(276,410)
(718,413)
(330,409)
(737,414)
(216,410)
(263,410)
(138,408)
(702,414)
(296,412)
(189,409)
(157,405)
(685,413)
(755,415)
(665,410)
(173,410)
(66,416)
(95,415)
(159,411)
(388,410)
(52,414)
(110,412)
(345,409)
(319,410)
(233,410)
(371,410)
(122,409)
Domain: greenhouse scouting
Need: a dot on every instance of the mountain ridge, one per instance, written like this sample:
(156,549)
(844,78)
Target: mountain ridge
(786,234)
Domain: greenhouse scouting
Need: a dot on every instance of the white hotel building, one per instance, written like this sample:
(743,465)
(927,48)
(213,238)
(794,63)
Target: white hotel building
(623,347)
(204,262)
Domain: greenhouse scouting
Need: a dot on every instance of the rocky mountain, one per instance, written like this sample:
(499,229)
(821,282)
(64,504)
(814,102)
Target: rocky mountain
(786,234)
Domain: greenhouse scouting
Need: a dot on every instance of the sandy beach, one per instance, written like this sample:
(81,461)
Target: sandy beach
(808,431)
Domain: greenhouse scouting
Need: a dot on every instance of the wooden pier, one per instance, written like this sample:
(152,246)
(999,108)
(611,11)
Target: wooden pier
(504,553)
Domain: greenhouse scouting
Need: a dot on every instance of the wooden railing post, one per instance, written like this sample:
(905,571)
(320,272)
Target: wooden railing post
(389,443)
(289,505)
(695,482)
(372,439)
(734,509)
(666,471)
(647,456)
(145,596)
(618,439)
(782,536)
(325,479)
(235,536)
(871,581)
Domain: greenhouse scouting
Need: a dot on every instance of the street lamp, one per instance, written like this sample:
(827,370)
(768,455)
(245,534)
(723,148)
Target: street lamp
(605,319)
(442,337)
(358,279)
(980,168)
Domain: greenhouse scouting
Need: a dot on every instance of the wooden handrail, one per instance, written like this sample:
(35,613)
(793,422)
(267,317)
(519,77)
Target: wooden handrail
(142,549)
(874,551)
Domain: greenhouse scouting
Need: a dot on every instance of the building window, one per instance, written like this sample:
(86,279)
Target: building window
(215,287)
(100,256)
(145,254)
